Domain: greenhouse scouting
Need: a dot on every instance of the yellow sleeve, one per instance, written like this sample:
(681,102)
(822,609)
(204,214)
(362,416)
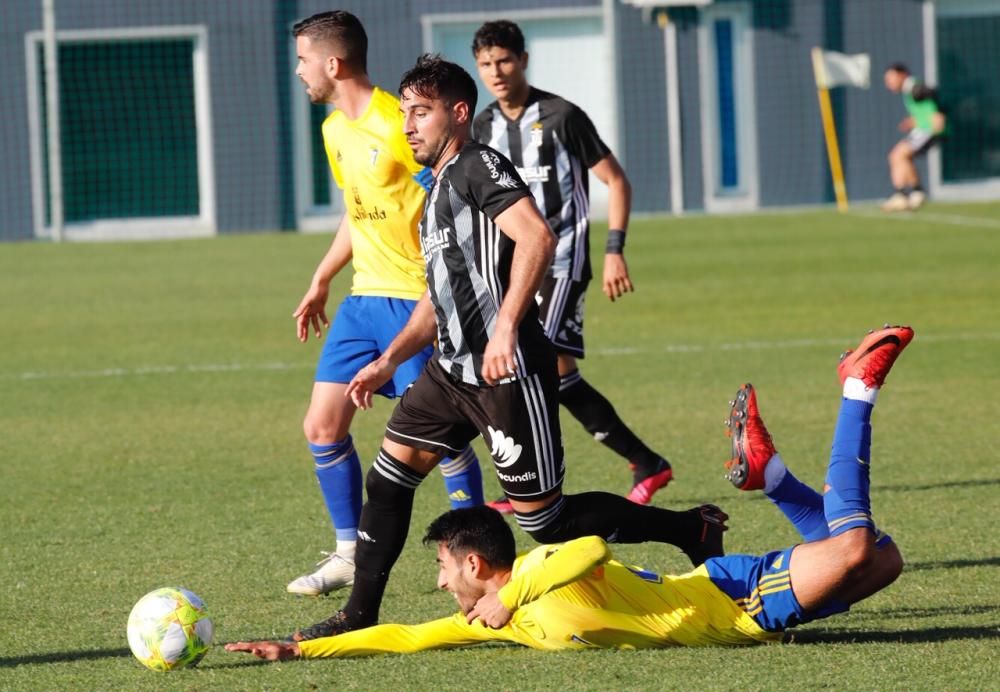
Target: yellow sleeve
(446,633)
(331,152)
(563,564)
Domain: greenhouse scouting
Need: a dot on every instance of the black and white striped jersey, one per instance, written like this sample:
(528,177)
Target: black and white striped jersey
(468,263)
(553,144)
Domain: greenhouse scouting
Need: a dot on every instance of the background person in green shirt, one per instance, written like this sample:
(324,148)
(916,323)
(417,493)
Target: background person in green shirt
(924,125)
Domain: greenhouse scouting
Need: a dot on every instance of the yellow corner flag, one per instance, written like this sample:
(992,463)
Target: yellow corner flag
(831,70)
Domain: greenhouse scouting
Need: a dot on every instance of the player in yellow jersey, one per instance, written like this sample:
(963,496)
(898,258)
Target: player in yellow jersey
(384,196)
(575,595)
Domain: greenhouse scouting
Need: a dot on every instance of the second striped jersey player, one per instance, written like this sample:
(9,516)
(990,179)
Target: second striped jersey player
(554,145)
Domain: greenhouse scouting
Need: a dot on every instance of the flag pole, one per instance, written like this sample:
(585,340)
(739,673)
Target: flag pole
(829,131)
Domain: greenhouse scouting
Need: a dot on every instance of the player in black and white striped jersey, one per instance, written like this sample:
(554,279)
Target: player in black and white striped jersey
(486,249)
(554,144)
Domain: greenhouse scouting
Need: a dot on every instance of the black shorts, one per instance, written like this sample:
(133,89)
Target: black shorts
(920,141)
(519,421)
(560,306)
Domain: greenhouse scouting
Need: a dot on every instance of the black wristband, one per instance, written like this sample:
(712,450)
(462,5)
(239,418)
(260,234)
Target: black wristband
(616,242)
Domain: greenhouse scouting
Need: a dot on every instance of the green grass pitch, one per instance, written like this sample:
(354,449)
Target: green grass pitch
(150,404)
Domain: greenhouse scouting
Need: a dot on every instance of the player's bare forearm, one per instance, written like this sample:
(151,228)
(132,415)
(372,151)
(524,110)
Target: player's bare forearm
(418,332)
(534,247)
(337,257)
(610,172)
(311,311)
(616,280)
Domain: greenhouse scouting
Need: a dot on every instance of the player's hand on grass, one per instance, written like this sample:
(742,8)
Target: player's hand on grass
(269,651)
(489,611)
(311,312)
(368,381)
(616,279)
(498,358)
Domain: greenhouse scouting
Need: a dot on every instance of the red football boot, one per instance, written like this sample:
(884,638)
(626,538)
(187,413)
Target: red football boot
(872,360)
(643,490)
(752,445)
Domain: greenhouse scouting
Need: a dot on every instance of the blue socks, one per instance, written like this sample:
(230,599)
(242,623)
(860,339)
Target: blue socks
(463,479)
(847,504)
(802,505)
(338,471)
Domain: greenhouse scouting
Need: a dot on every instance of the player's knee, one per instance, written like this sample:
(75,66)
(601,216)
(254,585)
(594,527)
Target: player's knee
(890,562)
(393,486)
(899,155)
(320,430)
(548,524)
(550,533)
(858,552)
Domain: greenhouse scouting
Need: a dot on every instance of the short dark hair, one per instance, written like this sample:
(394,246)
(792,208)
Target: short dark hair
(436,78)
(898,67)
(340,29)
(480,530)
(501,33)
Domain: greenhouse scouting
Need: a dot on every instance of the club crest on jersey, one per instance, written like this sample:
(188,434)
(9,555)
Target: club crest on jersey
(536,134)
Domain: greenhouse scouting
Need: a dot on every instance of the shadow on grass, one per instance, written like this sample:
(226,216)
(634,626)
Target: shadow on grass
(921,636)
(70,656)
(909,487)
(950,564)
(931,612)
(62,657)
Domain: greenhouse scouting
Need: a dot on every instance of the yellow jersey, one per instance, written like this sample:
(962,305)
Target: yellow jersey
(374,166)
(574,596)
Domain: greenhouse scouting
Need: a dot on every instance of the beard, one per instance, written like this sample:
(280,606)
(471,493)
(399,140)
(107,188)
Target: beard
(432,153)
(320,93)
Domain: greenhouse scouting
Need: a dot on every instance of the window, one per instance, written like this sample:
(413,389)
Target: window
(133,134)
(968,49)
(319,203)
(729,151)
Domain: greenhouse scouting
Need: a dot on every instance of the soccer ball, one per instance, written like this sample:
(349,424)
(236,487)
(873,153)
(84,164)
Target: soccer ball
(169,628)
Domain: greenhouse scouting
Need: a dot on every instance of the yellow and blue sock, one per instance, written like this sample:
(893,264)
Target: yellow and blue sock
(802,505)
(847,503)
(463,479)
(338,470)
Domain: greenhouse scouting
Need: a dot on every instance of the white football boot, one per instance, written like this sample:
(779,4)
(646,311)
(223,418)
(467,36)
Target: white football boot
(335,572)
(916,200)
(898,202)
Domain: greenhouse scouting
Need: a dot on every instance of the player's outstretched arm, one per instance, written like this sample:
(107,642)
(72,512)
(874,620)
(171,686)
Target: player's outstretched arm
(444,633)
(534,247)
(616,280)
(418,332)
(269,651)
(311,312)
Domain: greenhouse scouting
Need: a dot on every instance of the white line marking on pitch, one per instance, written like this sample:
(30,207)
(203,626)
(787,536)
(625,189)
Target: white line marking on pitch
(153,370)
(954,219)
(606,351)
(778,344)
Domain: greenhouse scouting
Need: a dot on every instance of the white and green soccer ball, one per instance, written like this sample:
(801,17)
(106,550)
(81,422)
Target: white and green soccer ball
(169,628)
